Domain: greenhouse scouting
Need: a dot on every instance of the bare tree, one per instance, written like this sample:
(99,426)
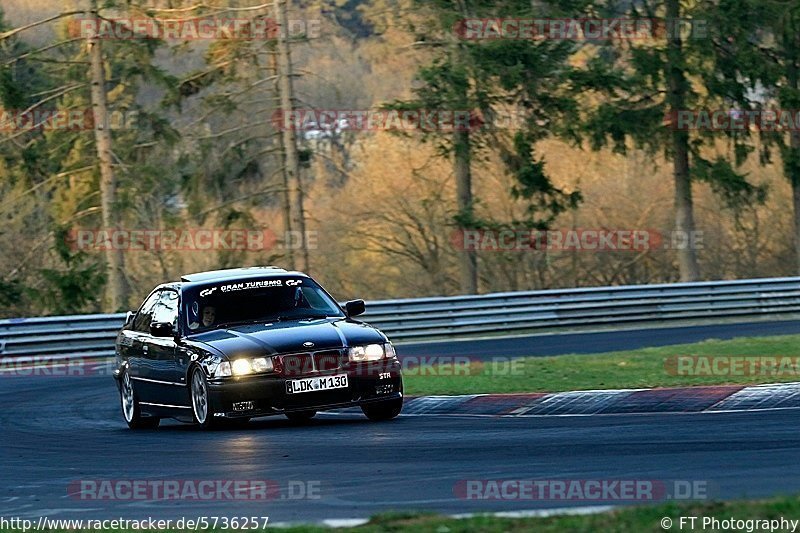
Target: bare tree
(117,288)
(291,156)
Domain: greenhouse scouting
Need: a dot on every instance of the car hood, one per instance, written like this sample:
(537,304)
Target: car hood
(289,336)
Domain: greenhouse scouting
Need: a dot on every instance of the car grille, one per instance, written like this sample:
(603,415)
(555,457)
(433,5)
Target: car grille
(328,360)
(309,363)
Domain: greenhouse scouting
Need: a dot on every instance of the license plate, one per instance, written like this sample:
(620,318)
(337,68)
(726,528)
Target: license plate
(295,386)
(244,406)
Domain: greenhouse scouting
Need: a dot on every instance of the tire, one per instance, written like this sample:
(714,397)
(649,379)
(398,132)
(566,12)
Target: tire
(380,411)
(202,412)
(301,416)
(131,410)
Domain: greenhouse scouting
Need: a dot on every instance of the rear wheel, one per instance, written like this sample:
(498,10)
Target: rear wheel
(131,410)
(201,408)
(379,411)
(301,416)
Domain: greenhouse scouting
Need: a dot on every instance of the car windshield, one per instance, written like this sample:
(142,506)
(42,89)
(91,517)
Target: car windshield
(252,301)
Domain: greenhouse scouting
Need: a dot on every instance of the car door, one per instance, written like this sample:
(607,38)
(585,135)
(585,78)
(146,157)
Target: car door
(160,353)
(136,338)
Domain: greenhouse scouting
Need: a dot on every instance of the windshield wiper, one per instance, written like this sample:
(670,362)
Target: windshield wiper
(286,318)
(225,325)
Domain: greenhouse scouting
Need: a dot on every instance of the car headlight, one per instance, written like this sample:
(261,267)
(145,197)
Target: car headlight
(261,364)
(370,352)
(390,352)
(244,367)
(223,370)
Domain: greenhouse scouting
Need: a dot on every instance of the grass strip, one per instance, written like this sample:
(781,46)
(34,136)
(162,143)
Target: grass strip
(746,360)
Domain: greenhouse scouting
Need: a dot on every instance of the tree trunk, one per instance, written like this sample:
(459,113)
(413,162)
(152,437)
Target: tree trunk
(286,207)
(791,158)
(462,168)
(292,161)
(286,201)
(684,210)
(792,170)
(461,165)
(115,262)
(791,165)
(795,180)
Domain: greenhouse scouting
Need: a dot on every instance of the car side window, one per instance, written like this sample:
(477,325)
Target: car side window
(145,314)
(166,310)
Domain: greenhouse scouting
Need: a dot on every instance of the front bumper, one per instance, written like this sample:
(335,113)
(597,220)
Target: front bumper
(264,395)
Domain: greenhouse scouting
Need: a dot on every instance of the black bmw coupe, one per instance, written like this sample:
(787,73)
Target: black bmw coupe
(231,345)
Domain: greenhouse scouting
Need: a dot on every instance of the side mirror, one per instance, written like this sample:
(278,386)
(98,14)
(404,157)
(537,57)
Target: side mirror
(355,308)
(161,329)
(129,318)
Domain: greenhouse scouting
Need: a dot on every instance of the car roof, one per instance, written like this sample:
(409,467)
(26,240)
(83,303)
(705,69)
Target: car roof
(235,273)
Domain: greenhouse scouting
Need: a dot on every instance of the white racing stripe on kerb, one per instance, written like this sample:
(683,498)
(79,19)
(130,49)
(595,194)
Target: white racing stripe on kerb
(331,523)
(530,513)
(345,522)
(761,397)
(574,402)
(435,404)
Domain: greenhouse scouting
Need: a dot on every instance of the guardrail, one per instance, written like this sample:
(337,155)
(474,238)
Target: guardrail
(449,317)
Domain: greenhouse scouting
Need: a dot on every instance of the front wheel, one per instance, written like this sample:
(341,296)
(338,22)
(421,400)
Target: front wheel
(201,408)
(131,410)
(380,411)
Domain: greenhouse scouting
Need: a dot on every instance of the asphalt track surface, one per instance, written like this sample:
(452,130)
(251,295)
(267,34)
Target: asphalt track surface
(56,431)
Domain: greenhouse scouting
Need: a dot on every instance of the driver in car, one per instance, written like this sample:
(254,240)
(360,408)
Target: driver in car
(209,315)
